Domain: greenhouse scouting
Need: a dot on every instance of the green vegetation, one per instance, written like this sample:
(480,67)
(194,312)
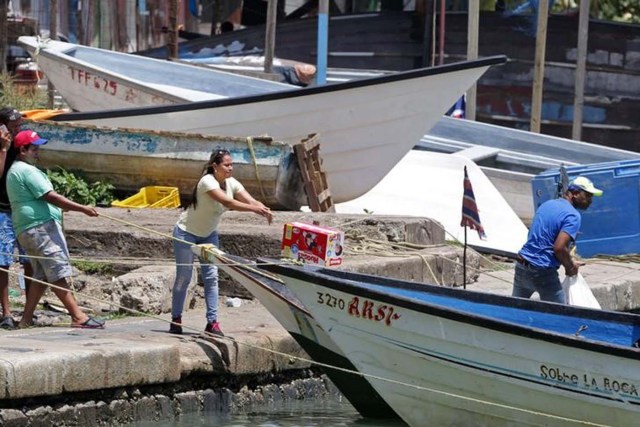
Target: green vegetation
(77,189)
(91,267)
(617,10)
(20,97)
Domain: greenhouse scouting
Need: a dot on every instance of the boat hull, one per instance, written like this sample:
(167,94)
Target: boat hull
(442,364)
(133,158)
(285,307)
(365,127)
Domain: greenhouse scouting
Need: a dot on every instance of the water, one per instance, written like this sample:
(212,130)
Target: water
(303,413)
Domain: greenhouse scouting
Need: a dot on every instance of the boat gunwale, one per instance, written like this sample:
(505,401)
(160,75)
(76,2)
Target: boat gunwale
(61,56)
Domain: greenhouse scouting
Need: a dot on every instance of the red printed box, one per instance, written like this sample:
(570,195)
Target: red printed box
(312,244)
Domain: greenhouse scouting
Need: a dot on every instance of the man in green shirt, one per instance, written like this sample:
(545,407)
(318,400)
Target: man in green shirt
(37,214)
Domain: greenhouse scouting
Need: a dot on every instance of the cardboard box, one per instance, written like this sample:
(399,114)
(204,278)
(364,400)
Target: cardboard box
(313,244)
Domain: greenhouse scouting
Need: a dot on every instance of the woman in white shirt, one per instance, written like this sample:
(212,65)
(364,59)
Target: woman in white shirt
(215,193)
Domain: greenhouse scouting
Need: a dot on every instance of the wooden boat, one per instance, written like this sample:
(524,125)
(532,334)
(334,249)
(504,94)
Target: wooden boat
(511,158)
(365,126)
(134,158)
(394,41)
(443,356)
(297,320)
(92,79)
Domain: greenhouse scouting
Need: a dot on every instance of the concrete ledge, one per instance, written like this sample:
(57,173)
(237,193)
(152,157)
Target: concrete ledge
(35,368)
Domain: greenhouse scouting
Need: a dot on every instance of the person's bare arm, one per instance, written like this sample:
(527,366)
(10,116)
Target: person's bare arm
(5,144)
(561,251)
(243,203)
(68,205)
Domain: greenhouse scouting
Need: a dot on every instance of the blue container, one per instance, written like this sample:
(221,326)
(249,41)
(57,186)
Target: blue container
(611,225)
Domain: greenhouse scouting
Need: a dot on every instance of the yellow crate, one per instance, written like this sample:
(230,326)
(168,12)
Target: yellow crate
(151,197)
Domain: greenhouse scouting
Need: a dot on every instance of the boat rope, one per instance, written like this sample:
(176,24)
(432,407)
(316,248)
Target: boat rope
(290,357)
(255,166)
(40,43)
(494,265)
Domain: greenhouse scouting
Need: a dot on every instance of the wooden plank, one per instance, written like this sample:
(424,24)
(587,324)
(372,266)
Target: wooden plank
(581,66)
(472,54)
(538,70)
(314,178)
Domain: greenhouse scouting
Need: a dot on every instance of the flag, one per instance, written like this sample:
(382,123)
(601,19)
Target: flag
(458,109)
(470,216)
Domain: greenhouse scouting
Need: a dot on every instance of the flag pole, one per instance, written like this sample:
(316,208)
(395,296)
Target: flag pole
(464,261)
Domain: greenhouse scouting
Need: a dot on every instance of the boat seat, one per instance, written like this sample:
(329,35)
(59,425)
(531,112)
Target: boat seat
(478,152)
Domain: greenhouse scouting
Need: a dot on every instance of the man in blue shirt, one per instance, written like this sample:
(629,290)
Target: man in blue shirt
(554,229)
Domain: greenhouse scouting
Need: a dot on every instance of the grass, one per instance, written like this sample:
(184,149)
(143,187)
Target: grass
(20,97)
(91,267)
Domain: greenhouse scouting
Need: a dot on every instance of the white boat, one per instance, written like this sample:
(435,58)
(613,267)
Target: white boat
(295,318)
(365,126)
(134,158)
(511,158)
(441,356)
(94,79)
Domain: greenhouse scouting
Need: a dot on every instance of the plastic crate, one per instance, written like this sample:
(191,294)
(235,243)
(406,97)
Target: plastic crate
(151,197)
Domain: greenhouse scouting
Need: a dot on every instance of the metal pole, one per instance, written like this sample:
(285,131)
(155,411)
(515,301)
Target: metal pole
(581,69)
(473,26)
(538,67)
(323,41)
(270,35)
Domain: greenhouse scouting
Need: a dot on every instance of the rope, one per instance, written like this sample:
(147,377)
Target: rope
(302,359)
(255,165)
(40,43)
(313,362)
(495,266)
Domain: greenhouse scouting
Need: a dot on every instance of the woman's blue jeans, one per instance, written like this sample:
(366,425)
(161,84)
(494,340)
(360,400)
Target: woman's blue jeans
(184,271)
(545,281)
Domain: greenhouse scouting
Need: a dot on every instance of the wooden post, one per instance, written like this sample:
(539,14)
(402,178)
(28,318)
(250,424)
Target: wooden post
(427,36)
(270,35)
(581,69)
(4,43)
(53,35)
(79,24)
(173,29)
(538,66)
(473,26)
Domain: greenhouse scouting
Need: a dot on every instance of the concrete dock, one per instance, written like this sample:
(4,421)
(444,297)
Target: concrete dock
(62,374)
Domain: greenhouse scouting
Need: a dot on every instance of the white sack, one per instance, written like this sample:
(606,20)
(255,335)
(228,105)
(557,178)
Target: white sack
(578,292)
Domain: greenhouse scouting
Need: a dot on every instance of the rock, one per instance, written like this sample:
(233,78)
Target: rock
(147,289)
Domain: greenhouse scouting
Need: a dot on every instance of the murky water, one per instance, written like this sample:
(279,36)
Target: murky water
(309,413)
